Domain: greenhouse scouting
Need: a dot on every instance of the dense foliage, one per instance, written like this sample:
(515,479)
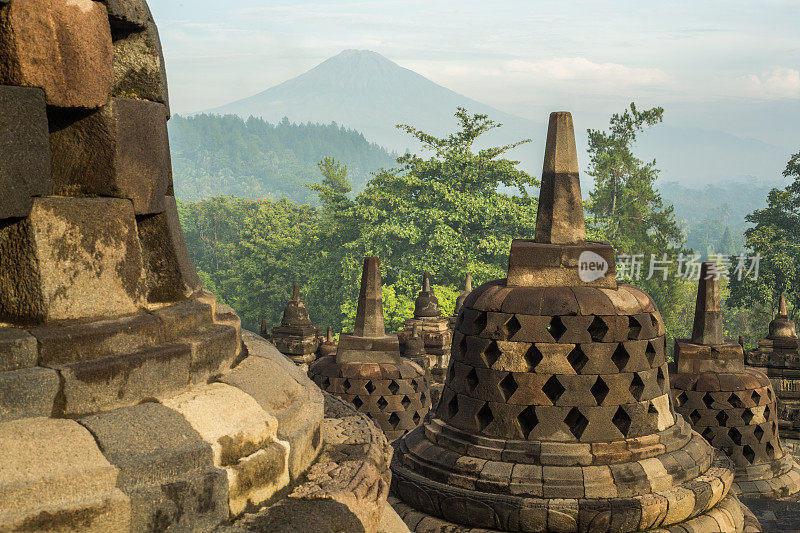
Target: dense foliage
(215,155)
(452,208)
(775,237)
(443,213)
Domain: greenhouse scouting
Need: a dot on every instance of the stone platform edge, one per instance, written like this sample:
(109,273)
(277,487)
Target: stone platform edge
(232,448)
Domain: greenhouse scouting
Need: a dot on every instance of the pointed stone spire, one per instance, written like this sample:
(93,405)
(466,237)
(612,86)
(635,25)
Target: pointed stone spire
(426,304)
(263,327)
(296,292)
(782,306)
(369,317)
(707,328)
(463,295)
(329,335)
(560,217)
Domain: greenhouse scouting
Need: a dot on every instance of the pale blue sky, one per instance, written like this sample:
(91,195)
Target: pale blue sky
(731,65)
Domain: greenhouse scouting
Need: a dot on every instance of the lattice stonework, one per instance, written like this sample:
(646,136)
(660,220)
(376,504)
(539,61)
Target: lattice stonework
(396,397)
(556,411)
(507,364)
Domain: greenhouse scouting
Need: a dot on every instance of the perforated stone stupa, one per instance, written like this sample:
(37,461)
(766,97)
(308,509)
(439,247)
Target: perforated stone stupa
(778,357)
(732,406)
(296,337)
(555,414)
(130,400)
(368,370)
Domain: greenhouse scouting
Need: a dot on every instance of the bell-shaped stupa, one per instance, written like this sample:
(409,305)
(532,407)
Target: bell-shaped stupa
(328,345)
(368,370)
(778,357)
(732,406)
(556,414)
(296,337)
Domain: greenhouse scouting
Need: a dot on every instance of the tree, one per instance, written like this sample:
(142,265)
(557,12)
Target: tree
(627,210)
(445,214)
(775,238)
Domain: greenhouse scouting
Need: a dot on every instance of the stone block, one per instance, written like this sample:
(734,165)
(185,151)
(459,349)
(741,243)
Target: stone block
(18,349)
(29,392)
(292,399)
(354,349)
(100,339)
(55,478)
(184,318)
(72,258)
(62,47)
(25,145)
(534,264)
(214,349)
(165,468)
(100,385)
(243,439)
(120,150)
(139,70)
(169,273)
(128,14)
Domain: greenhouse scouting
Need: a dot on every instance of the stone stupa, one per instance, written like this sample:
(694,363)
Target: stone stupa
(130,400)
(556,414)
(296,337)
(328,345)
(778,357)
(730,405)
(434,329)
(462,296)
(368,370)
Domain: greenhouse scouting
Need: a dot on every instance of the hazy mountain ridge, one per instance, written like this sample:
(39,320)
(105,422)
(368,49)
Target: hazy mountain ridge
(226,156)
(368,92)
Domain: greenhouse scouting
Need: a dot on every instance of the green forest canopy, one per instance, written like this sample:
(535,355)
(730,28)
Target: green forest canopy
(441,211)
(215,155)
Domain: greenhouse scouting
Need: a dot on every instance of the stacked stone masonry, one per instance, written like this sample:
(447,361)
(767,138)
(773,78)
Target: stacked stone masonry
(731,406)
(129,399)
(778,357)
(296,337)
(738,414)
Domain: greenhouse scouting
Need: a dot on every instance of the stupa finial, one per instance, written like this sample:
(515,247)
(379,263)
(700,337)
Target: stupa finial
(707,328)
(560,217)
(468,283)
(296,292)
(369,317)
(782,305)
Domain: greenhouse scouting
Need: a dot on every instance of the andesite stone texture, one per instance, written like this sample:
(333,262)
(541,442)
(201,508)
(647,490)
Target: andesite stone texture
(732,407)
(555,415)
(107,152)
(778,357)
(368,370)
(296,337)
(130,400)
(24,143)
(63,47)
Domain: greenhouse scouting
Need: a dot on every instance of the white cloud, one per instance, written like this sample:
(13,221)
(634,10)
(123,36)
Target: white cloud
(780,82)
(582,69)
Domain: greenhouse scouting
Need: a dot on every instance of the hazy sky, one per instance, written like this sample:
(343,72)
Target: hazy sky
(731,65)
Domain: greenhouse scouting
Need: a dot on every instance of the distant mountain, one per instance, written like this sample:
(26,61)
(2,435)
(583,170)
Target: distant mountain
(368,92)
(365,91)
